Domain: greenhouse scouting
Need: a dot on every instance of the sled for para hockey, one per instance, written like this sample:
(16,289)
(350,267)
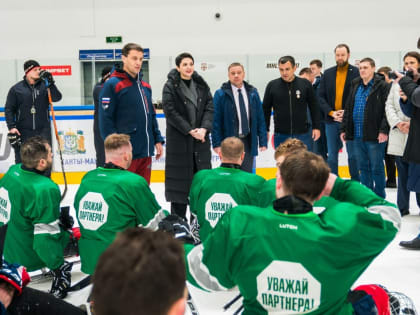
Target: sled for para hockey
(191,305)
(58,140)
(47,275)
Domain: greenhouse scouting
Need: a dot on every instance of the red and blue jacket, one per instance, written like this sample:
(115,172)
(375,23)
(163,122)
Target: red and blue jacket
(126,107)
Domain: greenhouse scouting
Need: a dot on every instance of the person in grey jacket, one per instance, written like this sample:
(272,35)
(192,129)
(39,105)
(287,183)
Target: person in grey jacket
(398,133)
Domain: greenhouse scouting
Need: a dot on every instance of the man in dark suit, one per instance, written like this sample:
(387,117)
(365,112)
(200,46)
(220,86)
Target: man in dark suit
(238,112)
(333,92)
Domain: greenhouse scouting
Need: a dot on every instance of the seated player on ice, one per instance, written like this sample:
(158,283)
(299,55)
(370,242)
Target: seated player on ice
(17,298)
(215,191)
(289,259)
(30,205)
(111,199)
(141,272)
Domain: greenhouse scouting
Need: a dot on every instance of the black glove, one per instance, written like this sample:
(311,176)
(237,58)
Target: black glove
(47,76)
(65,219)
(178,227)
(15,140)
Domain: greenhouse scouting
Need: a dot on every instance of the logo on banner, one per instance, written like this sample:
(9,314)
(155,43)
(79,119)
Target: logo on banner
(72,142)
(206,66)
(58,70)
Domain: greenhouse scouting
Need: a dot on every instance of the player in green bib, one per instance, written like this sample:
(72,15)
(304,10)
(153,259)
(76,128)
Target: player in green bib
(30,205)
(215,191)
(111,199)
(288,259)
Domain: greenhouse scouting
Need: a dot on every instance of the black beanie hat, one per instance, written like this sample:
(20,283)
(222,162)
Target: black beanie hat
(29,65)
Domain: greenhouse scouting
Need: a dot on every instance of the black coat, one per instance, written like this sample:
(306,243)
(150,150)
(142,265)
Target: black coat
(412,148)
(182,150)
(326,92)
(374,119)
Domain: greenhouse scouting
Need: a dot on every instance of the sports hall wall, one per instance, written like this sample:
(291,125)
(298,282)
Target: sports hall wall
(255,33)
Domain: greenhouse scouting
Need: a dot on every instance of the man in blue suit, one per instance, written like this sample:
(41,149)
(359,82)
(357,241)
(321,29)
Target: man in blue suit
(333,91)
(238,112)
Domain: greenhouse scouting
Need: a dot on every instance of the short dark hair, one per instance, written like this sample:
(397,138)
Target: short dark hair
(369,60)
(33,150)
(141,271)
(184,55)
(384,70)
(116,141)
(304,174)
(413,54)
(232,148)
(236,64)
(341,46)
(289,146)
(305,70)
(316,62)
(127,47)
(286,59)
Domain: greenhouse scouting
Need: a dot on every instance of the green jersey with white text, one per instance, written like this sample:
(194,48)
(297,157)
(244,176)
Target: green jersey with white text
(215,191)
(108,201)
(34,238)
(296,263)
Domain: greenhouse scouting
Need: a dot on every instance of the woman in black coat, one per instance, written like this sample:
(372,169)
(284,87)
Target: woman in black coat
(188,107)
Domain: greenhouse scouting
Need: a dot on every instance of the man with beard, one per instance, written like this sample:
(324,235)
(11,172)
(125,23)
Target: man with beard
(30,206)
(333,92)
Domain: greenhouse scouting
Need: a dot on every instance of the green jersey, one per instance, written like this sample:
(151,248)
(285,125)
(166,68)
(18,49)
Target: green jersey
(109,201)
(215,191)
(34,238)
(296,263)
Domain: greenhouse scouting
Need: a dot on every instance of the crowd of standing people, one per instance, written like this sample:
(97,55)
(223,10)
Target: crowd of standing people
(358,106)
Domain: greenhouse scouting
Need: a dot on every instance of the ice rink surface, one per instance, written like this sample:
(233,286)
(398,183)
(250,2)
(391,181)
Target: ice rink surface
(396,268)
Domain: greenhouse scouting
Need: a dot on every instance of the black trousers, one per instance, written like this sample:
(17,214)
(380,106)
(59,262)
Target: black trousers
(248,162)
(35,302)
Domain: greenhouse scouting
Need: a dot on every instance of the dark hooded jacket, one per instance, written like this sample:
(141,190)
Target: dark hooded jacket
(184,154)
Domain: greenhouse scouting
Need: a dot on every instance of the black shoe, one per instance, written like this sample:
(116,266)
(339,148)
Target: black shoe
(404,212)
(391,185)
(413,244)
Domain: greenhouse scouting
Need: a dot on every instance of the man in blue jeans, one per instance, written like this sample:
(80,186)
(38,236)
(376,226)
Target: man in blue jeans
(333,91)
(365,122)
(291,98)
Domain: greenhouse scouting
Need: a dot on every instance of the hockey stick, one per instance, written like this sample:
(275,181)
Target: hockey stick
(229,304)
(58,141)
(81,284)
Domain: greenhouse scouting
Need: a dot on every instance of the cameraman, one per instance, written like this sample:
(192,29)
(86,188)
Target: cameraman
(410,103)
(27,106)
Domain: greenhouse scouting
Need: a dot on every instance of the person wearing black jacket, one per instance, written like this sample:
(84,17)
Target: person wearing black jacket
(27,106)
(290,97)
(99,142)
(333,91)
(188,107)
(365,123)
(410,86)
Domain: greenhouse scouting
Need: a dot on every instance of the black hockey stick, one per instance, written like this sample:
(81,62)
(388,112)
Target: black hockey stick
(229,304)
(58,141)
(81,284)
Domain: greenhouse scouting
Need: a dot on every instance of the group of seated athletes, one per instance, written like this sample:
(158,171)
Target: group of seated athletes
(260,236)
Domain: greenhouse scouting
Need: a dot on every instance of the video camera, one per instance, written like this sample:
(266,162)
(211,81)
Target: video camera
(46,76)
(410,74)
